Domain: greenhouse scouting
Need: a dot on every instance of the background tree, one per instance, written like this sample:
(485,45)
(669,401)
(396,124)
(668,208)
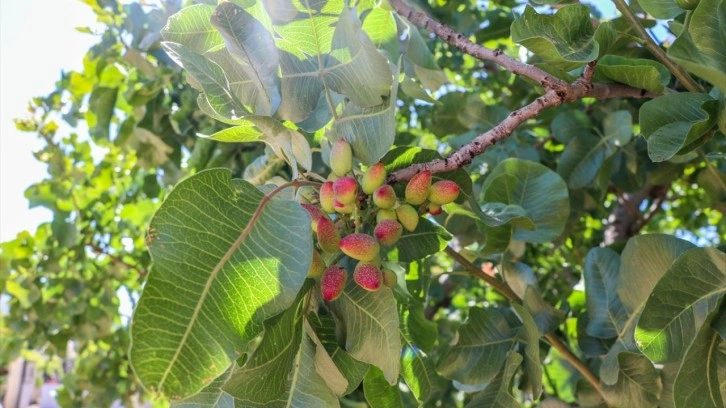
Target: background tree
(577,265)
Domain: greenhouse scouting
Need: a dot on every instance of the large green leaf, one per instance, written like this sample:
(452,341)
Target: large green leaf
(674,123)
(497,393)
(638,385)
(535,188)
(644,261)
(204,300)
(636,72)
(520,277)
(697,381)
(700,48)
(251,45)
(190,26)
(606,312)
(379,393)
(371,325)
(417,368)
(667,324)
(100,111)
(566,38)
(484,342)
(263,377)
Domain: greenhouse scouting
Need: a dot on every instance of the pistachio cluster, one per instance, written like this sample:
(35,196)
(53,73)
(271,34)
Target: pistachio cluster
(354,217)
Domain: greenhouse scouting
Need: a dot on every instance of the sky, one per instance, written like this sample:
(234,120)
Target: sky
(37,40)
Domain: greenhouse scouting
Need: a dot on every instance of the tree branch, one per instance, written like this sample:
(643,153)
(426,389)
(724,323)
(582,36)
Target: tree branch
(460,41)
(557,93)
(553,340)
(657,52)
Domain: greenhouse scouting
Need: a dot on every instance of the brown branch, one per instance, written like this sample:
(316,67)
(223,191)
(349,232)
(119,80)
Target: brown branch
(558,92)
(460,41)
(554,341)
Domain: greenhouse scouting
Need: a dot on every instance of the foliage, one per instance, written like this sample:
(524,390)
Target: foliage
(578,264)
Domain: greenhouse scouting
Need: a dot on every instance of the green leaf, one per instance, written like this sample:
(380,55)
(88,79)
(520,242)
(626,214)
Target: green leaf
(638,385)
(535,188)
(417,368)
(246,132)
(570,124)
(424,63)
(191,26)
(582,159)
(664,9)
(667,324)
(378,392)
(484,342)
(427,239)
(532,365)
(263,377)
(618,127)
(636,72)
(700,48)
(352,369)
(697,381)
(371,325)
(380,25)
(100,111)
(644,261)
(520,277)
(305,387)
(606,312)
(253,48)
(325,366)
(674,123)
(208,77)
(565,38)
(206,239)
(210,396)
(498,394)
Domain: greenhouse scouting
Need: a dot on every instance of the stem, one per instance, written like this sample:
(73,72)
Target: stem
(553,340)
(657,52)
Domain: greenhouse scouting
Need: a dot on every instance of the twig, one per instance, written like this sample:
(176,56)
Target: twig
(657,52)
(558,92)
(553,340)
(652,210)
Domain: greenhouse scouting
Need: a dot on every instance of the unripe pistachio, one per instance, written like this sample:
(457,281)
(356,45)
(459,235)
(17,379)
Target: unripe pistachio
(443,192)
(389,278)
(317,265)
(332,282)
(328,235)
(417,190)
(315,215)
(373,178)
(388,232)
(341,157)
(384,197)
(368,276)
(362,247)
(345,189)
(407,216)
(386,215)
(343,208)
(434,209)
(326,197)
